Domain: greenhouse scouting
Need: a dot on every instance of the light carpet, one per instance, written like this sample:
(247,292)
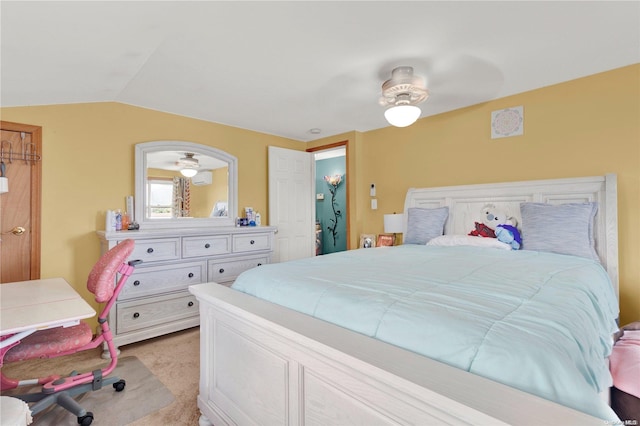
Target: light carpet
(143,394)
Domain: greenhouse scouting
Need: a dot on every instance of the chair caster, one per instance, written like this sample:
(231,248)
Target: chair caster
(86,420)
(119,385)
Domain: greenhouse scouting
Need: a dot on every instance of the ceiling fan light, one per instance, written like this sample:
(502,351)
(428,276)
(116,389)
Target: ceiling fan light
(188,172)
(402,115)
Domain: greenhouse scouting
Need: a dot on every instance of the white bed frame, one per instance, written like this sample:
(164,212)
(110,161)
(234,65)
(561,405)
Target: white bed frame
(261,363)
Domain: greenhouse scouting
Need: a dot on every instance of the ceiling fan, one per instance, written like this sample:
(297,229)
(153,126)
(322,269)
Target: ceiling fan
(402,93)
(188,165)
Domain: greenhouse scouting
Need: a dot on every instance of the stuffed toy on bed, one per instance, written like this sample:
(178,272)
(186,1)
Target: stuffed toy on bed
(497,225)
(492,218)
(509,234)
(482,230)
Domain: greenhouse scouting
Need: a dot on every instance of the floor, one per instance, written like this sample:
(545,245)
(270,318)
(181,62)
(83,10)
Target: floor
(173,359)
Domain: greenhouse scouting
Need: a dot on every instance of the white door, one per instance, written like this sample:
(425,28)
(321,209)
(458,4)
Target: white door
(291,203)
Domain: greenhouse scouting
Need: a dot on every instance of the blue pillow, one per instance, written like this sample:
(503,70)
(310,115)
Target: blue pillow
(559,228)
(425,224)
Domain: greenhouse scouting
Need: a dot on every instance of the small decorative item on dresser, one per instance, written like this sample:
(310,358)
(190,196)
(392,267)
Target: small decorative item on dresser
(367,240)
(386,240)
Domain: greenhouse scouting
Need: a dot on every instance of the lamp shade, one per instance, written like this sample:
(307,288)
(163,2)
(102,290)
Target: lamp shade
(402,115)
(394,223)
(188,172)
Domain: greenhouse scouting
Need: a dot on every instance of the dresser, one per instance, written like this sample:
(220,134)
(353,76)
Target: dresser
(155,299)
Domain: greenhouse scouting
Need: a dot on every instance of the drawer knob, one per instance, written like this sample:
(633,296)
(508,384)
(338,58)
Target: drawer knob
(190,304)
(136,315)
(252,242)
(259,264)
(221,270)
(190,274)
(149,250)
(207,245)
(136,283)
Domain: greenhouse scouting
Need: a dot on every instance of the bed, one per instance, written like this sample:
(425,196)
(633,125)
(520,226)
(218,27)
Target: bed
(504,337)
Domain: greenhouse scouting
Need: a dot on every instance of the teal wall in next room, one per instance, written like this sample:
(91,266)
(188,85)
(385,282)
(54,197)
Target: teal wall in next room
(324,212)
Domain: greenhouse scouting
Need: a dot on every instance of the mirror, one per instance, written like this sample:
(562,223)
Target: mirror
(184,185)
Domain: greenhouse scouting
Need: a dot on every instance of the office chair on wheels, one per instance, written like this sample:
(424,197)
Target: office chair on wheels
(59,341)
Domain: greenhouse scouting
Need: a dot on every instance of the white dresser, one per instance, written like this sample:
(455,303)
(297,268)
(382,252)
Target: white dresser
(155,299)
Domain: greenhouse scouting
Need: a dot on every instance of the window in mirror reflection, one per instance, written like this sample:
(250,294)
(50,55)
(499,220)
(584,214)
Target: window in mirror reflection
(160,202)
(168,198)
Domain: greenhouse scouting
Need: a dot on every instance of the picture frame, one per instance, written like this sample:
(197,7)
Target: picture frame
(386,240)
(367,240)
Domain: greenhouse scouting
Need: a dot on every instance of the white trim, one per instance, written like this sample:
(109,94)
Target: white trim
(180,223)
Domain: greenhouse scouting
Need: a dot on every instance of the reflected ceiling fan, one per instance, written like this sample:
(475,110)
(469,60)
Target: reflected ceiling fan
(402,94)
(188,165)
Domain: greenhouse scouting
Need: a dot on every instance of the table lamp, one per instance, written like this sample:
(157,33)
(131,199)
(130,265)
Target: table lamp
(394,224)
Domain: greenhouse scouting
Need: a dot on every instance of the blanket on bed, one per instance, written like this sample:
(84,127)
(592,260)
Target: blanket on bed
(539,322)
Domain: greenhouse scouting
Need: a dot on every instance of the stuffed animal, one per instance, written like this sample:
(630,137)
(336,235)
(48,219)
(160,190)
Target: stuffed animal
(498,225)
(492,218)
(510,235)
(482,230)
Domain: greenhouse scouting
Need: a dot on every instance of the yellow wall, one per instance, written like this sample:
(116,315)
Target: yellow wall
(88,167)
(585,127)
(218,189)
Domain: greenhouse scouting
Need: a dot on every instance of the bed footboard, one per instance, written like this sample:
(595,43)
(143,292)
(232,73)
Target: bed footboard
(264,364)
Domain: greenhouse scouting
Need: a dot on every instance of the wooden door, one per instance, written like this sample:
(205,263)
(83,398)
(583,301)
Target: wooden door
(21,154)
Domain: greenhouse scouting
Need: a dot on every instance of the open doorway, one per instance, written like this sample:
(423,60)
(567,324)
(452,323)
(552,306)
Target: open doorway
(293,189)
(331,200)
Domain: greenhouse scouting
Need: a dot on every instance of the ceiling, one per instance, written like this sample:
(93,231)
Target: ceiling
(284,68)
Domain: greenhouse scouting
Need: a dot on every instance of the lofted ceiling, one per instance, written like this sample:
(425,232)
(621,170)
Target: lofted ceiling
(284,68)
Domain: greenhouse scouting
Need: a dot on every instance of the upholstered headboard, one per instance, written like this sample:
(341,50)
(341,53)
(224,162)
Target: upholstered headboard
(465,204)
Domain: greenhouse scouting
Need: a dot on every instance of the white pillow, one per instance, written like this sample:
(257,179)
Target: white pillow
(468,240)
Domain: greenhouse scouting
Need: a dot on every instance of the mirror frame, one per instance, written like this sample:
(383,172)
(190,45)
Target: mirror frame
(142,149)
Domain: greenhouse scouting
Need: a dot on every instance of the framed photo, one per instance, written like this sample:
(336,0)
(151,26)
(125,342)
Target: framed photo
(367,240)
(386,240)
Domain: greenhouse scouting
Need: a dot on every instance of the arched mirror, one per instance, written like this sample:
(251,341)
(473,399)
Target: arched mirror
(184,185)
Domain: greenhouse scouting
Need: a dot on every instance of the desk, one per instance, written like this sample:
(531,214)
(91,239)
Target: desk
(27,306)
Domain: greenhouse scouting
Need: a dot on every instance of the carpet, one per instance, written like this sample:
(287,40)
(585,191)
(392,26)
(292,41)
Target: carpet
(143,394)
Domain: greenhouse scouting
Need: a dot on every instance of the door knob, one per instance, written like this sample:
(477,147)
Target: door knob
(18,230)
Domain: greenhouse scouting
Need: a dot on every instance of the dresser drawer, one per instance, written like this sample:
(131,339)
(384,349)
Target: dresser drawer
(251,242)
(223,270)
(206,246)
(162,279)
(156,250)
(153,311)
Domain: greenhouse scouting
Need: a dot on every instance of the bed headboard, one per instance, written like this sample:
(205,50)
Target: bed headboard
(465,204)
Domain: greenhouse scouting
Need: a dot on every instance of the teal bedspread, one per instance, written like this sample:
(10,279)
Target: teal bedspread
(539,322)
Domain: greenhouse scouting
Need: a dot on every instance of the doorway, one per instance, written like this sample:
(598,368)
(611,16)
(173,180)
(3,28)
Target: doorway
(20,206)
(292,201)
(331,197)
(331,200)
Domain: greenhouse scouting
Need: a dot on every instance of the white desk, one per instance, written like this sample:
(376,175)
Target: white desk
(27,306)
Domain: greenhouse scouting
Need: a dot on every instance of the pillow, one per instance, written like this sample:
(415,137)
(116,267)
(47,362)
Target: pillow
(425,224)
(468,240)
(561,228)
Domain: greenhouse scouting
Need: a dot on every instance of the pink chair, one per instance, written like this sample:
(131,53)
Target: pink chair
(55,342)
